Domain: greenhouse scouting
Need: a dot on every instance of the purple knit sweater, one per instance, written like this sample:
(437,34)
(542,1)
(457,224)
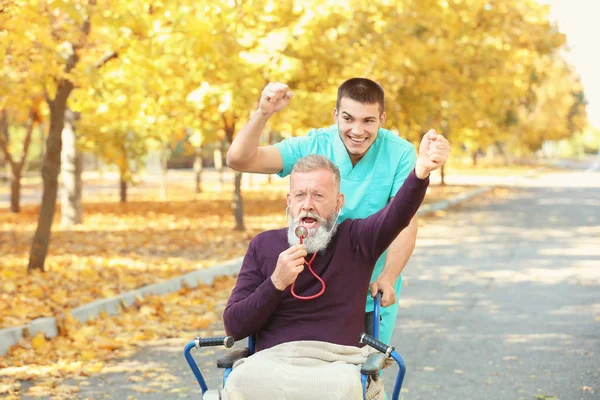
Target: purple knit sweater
(338,316)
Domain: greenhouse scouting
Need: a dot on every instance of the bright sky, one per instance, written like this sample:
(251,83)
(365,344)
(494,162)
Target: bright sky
(578,19)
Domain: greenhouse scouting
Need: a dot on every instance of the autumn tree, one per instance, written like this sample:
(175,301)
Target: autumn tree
(554,107)
(235,78)
(204,124)
(21,99)
(138,104)
(484,72)
(53,43)
(15,124)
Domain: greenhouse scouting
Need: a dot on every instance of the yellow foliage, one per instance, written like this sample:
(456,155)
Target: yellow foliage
(456,66)
(121,247)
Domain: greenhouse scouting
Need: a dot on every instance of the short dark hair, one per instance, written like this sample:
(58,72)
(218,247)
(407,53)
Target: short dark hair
(363,90)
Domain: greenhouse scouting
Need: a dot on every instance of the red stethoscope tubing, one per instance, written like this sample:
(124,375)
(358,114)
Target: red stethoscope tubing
(308,264)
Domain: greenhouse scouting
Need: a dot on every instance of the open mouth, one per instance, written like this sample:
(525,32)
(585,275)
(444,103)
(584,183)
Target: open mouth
(357,140)
(308,222)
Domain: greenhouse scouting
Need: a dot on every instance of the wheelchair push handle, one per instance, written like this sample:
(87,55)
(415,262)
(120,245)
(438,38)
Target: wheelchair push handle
(376,344)
(226,341)
(198,342)
(377,299)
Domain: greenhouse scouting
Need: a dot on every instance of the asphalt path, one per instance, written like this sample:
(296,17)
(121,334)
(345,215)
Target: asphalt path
(501,301)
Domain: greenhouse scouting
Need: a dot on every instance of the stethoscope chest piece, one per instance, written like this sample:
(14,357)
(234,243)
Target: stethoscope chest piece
(301,233)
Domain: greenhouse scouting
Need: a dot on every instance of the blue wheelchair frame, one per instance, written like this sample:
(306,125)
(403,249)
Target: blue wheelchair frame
(372,341)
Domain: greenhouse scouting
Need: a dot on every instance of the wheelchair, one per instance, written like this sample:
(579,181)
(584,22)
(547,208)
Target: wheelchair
(372,367)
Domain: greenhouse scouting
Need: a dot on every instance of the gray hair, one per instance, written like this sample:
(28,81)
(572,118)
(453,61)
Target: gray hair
(315,162)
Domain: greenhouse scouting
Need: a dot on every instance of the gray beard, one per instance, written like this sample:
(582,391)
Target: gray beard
(318,238)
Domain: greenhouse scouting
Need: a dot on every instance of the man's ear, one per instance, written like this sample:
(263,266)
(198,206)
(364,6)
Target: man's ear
(287,200)
(335,115)
(340,201)
(382,118)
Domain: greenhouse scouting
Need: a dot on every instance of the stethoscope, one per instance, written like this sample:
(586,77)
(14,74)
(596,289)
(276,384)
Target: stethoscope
(302,233)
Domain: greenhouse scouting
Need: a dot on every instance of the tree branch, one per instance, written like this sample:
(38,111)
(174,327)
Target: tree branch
(106,58)
(28,134)
(4,137)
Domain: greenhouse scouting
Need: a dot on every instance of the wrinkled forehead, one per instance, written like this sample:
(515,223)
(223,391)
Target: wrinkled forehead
(321,180)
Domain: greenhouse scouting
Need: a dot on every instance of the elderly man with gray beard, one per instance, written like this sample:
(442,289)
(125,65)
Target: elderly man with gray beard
(293,310)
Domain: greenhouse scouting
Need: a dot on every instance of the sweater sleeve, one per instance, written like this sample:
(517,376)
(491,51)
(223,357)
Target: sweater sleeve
(253,299)
(371,236)
(404,168)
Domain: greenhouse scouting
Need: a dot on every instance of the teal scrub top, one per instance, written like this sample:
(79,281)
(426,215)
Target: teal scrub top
(370,184)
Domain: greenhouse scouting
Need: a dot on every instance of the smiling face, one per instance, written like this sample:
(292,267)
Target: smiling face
(358,125)
(314,201)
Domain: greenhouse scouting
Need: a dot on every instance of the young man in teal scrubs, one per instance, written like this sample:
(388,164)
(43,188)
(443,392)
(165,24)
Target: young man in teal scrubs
(373,162)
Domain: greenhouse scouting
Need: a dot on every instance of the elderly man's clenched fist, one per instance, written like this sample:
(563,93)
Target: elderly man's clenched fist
(433,153)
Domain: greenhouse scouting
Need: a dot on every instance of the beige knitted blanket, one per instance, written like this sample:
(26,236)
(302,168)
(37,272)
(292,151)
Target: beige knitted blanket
(300,371)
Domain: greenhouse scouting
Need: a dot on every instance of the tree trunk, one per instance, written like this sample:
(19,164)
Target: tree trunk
(238,203)
(50,170)
(198,169)
(3,176)
(123,174)
(17,167)
(71,168)
(15,188)
(122,189)
(443,175)
(218,160)
(51,163)
(502,151)
(5,154)
(474,157)
(42,142)
(164,167)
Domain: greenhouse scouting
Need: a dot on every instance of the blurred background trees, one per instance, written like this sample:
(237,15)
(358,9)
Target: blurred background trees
(117,82)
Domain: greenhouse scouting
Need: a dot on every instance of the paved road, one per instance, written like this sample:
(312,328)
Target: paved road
(502,302)
(503,299)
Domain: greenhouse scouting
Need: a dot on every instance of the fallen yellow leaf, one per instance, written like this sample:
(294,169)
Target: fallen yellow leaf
(39,341)
(107,344)
(143,389)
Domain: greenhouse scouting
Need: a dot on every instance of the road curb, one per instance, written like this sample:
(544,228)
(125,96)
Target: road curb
(47,325)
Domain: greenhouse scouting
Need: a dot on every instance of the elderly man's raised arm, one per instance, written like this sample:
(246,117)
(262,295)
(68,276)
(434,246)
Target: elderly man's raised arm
(374,234)
(253,299)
